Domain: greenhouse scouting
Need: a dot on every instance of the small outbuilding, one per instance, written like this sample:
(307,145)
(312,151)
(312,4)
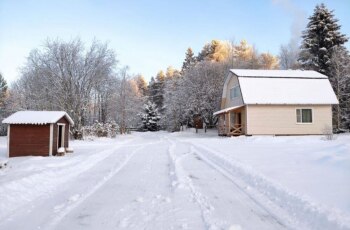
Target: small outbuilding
(37,133)
(276,102)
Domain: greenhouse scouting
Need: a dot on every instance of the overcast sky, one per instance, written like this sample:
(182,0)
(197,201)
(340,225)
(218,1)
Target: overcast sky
(151,35)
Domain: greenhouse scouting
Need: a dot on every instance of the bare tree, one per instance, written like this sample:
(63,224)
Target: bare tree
(63,76)
(289,56)
(340,80)
(129,102)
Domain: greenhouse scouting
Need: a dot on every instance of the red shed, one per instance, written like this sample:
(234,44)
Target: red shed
(37,133)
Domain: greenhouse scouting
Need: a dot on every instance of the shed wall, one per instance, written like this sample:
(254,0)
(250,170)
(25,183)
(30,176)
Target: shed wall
(29,140)
(281,120)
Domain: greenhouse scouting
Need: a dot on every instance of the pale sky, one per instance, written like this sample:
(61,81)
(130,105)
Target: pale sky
(151,35)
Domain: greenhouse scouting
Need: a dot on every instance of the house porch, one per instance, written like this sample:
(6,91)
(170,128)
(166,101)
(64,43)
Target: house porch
(232,121)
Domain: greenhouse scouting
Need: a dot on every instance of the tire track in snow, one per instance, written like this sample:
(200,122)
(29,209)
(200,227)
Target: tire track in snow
(179,179)
(293,210)
(76,200)
(30,190)
(228,176)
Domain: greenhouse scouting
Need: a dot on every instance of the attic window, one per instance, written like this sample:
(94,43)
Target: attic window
(304,115)
(234,92)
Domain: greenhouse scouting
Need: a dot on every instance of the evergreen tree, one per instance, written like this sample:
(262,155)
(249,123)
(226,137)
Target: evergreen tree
(156,90)
(205,53)
(3,90)
(321,36)
(150,117)
(190,60)
(216,50)
(160,76)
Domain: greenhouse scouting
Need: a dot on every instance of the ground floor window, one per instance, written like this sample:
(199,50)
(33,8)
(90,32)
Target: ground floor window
(304,115)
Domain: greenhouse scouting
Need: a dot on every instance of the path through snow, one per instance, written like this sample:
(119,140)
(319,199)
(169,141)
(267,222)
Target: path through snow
(152,181)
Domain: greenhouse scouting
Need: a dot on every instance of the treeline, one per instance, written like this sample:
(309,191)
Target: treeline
(83,81)
(195,91)
(88,83)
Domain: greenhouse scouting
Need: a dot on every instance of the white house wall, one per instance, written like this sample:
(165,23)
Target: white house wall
(281,120)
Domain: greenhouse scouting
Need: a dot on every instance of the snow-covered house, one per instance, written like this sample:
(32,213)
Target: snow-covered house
(37,133)
(276,102)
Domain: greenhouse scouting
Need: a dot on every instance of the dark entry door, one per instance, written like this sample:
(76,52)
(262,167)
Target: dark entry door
(239,118)
(60,131)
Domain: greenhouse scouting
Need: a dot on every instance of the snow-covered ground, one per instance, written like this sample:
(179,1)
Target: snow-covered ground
(181,181)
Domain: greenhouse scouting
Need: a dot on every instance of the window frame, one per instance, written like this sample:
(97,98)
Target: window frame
(304,123)
(232,92)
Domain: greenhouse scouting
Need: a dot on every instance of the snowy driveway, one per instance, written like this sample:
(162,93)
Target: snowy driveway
(146,181)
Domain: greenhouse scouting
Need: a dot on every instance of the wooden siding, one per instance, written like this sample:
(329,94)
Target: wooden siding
(281,120)
(227,102)
(29,140)
(63,120)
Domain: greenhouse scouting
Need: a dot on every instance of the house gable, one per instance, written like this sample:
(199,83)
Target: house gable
(227,101)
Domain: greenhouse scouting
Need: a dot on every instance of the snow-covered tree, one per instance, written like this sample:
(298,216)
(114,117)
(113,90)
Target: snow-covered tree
(340,72)
(156,90)
(66,75)
(204,54)
(288,56)
(150,117)
(173,115)
(142,84)
(129,101)
(216,50)
(244,56)
(196,93)
(190,60)
(3,90)
(321,36)
(3,104)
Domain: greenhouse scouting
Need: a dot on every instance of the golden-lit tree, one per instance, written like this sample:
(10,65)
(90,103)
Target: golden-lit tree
(268,61)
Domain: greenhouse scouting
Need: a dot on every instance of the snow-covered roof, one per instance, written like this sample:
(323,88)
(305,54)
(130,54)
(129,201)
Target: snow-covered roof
(277,73)
(227,109)
(37,117)
(286,91)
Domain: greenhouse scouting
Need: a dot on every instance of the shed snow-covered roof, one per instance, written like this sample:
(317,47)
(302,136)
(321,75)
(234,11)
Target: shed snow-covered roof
(286,91)
(37,117)
(278,73)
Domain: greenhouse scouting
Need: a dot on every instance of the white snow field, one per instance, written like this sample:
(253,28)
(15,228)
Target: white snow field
(181,181)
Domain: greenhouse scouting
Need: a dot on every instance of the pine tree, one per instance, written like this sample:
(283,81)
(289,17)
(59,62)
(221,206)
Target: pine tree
(321,36)
(3,90)
(190,60)
(156,90)
(150,117)
(160,76)
(216,50)
(205,53)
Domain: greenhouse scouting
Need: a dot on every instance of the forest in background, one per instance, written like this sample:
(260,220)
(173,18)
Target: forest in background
(87,82)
